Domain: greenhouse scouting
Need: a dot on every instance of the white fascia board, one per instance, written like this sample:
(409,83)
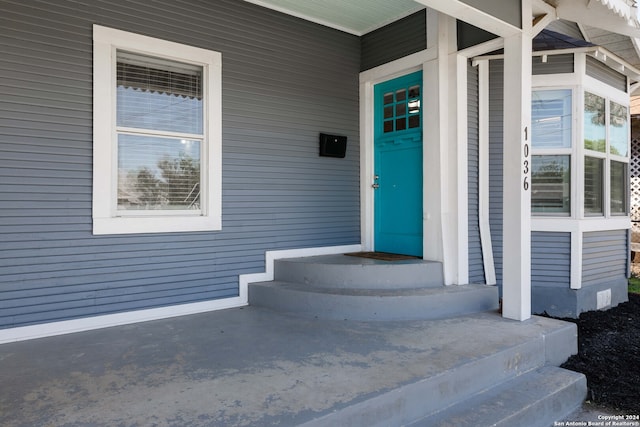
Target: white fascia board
(482,48)
(600,53)
(596,14)
(622,8)
(473,16)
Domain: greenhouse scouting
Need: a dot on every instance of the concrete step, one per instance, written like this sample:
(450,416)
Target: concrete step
(477,377)
(343,271)
(535,399)
(373,304)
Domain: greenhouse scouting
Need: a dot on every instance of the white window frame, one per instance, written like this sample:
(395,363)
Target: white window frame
(106,220)
(561,151)
(609,94)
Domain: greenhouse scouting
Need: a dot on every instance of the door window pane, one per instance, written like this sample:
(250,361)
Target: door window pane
(593,186)
(551,185)
(595,133)
(414,121)
(619,188)
(618,129)
(551,118)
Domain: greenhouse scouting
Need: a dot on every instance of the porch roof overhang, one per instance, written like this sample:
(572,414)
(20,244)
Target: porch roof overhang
(601,54)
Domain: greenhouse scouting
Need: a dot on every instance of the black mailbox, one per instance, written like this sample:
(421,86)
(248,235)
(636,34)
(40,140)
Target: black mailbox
(333,145)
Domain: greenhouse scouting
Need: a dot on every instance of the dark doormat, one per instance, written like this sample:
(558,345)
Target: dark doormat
(383,256)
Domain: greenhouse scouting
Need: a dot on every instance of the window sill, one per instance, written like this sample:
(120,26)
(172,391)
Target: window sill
(131,225)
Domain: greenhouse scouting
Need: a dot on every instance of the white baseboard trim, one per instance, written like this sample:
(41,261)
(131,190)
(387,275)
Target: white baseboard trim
(271,256)
(24,333)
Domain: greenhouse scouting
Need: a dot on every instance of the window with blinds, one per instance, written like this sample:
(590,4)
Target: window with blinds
(160,134)
(551,140)
(157,135)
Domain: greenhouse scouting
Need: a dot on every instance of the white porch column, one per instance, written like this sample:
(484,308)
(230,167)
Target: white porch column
(516,272)
(445,201)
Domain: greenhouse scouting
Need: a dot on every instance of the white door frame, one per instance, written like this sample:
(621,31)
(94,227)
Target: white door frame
(445,222)
(368,79)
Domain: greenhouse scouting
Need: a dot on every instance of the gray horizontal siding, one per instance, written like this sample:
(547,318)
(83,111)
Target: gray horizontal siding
(476,263)
(496,111)
(510,12)
(285,80)
(394,41)
(469,35)
(600,71)
(605,255)
(551,259)
(556,64)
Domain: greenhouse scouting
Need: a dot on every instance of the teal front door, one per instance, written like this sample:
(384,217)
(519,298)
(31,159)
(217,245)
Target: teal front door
(398,165)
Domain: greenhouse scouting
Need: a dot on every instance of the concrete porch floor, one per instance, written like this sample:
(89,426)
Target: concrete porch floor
(237,367)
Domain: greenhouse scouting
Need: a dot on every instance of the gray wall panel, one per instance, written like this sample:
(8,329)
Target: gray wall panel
(600,71)
(551,259)
(285,80)
(604,256)
(508,11)
(394,41)
(556,64)
(476,263)
(469,35)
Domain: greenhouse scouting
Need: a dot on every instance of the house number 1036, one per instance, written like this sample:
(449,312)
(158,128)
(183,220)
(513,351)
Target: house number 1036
(525,182)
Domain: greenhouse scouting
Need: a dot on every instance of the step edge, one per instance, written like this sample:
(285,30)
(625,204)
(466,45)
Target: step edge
(410,391)
(373,306)
(482,397)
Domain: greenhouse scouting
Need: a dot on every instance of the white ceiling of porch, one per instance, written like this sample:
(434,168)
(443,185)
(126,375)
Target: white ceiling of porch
(352,16)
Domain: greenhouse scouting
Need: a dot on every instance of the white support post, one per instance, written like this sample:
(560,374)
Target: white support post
(435,130)
(459,89)
(441,157)
(516,275)
(576,258)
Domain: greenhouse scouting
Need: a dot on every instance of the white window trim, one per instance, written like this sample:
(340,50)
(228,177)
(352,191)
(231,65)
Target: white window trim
(609,94)
(542,83)
(105,42)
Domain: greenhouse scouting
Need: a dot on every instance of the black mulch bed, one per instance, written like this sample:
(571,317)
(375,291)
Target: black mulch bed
(609,355)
